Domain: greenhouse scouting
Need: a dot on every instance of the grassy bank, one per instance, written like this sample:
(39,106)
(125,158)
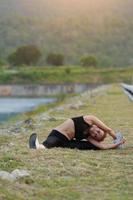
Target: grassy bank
(65,74)
(72,174)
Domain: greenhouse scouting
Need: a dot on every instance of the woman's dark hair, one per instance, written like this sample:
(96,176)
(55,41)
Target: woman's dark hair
(87,131)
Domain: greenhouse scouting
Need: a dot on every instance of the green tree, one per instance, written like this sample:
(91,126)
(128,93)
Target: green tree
(28,55)
(88,61)
(55,59)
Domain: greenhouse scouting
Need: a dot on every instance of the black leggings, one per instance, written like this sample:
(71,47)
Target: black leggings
(57,139)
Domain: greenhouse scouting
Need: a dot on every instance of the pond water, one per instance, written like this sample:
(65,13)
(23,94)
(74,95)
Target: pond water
(13,106)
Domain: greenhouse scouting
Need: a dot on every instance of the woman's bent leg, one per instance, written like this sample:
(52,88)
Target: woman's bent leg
(55,139)
(34,143)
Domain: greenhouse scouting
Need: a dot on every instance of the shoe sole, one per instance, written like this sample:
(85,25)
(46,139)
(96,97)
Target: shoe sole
(32,141)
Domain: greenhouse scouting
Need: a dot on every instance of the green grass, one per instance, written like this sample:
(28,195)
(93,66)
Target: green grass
(65,74)
(65,174)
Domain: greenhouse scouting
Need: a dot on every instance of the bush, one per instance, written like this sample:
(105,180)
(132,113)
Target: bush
(2,62)
(88,61)
(25,55)
(55,59)
(67,70)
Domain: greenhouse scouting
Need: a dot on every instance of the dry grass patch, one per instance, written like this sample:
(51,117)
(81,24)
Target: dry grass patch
(72,174)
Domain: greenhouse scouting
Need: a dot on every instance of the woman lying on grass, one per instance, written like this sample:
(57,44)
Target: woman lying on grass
(83,132)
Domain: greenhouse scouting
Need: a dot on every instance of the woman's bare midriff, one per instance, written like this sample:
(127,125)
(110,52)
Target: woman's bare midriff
(67,128)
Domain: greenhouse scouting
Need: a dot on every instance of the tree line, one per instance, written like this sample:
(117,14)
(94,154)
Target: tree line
(30,54)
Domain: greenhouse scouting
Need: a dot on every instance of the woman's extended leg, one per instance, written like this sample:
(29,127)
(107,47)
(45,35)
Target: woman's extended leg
(56,139)
(82,145)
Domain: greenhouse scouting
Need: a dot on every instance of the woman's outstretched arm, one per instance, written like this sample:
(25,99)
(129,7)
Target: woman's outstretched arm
(105,146)
(91,119)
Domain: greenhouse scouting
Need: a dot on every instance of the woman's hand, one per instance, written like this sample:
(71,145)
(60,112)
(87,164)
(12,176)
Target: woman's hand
(122,141)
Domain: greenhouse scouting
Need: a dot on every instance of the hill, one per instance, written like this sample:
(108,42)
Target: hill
(75,28)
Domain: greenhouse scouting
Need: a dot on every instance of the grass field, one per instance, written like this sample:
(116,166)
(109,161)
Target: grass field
(65,174)
(65,74)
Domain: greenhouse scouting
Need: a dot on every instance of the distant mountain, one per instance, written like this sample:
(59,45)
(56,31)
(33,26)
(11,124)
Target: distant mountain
(73,27)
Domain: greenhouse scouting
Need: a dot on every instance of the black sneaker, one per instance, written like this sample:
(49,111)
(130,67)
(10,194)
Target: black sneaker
(32,141)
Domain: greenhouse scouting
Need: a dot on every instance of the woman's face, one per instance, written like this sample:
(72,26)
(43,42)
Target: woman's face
(96,133)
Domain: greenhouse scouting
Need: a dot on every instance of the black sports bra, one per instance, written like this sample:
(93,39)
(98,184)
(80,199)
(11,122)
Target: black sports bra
(81,128)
